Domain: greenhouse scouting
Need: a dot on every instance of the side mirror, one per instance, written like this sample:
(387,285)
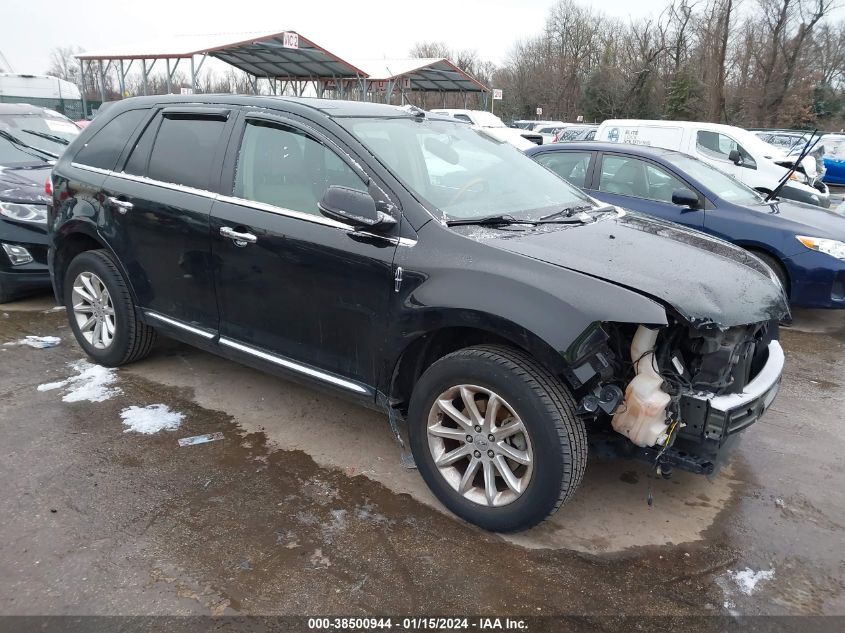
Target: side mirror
(685,198)
(354,207)
(735,157)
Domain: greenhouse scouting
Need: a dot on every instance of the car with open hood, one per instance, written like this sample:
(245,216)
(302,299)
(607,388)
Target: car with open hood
(30,140)
(803,244)
(422,267)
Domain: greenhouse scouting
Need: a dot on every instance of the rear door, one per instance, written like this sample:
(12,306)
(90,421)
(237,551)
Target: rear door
(303,292)
(641,185)
(160,202)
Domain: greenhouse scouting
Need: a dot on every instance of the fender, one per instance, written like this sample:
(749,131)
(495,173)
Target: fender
(81,222)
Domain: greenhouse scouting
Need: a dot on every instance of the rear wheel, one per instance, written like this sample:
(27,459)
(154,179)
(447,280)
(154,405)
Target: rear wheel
(101,312)
(495,437)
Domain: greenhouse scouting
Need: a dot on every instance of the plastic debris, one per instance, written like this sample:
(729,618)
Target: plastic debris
(200,439)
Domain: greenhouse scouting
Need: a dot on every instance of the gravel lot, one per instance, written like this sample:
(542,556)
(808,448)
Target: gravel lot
(303,506)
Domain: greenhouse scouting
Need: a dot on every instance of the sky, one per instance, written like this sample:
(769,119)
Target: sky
(360,29)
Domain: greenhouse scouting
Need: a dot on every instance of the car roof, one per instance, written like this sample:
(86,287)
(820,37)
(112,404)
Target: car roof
(598,146)
(329,107)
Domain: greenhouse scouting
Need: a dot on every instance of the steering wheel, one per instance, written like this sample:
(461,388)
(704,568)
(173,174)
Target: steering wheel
(472,183)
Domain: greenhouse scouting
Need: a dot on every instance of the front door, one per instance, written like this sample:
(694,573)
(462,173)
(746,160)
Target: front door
(295,288)
(159,207)
(640,185)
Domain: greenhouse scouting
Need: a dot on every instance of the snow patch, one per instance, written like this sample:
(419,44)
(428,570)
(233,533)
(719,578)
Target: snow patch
(151,419)
(747,578)
(38,342)
(92,383)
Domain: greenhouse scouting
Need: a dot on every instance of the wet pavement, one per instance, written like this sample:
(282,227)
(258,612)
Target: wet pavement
(304,507)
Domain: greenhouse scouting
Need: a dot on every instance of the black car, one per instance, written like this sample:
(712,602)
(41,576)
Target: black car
(803,244)
(30,139)
(421,267)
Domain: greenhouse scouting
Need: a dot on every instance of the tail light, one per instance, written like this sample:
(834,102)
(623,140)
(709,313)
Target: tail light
(48,188)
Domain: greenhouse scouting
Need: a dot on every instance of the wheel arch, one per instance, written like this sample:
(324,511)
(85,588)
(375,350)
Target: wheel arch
(756,248)
(427,347)
(75,237)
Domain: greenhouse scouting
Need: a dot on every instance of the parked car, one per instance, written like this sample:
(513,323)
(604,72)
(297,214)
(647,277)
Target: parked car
(548,132)
(30,139)
(493,125)
(802,244)
(733,150)
(833,154)
(576,133)
(496,309)
(793,142)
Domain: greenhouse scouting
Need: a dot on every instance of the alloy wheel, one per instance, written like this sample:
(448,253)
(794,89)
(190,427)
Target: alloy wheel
(480,445)
(93,310)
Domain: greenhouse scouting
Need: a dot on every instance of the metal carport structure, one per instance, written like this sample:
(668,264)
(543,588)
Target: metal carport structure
(409,75)
(285,56)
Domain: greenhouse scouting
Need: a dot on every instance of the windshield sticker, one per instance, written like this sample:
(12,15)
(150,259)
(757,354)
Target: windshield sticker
(61,126)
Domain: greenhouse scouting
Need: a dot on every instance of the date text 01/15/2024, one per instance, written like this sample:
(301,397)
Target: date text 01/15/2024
(416,624)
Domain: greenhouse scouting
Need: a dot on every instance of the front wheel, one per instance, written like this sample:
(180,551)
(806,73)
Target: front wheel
(495,437)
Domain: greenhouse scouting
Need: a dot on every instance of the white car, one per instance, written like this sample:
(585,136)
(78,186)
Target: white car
(494,126)
(733,150)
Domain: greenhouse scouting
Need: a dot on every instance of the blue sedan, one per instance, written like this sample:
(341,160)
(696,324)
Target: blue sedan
(803,245)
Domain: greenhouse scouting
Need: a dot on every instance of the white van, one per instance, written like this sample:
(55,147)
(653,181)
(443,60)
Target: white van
(44,91)
(733,150)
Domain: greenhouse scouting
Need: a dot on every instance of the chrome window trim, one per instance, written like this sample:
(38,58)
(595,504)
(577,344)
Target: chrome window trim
(96,170)
(243,202)
(297,367)
(179,324)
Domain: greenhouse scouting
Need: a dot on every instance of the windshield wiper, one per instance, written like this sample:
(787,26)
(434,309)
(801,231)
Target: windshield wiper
(49,137)
(25,146)
(569,211)
(490,220)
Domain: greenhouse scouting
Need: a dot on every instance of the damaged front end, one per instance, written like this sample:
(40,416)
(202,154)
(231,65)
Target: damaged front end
(680,393)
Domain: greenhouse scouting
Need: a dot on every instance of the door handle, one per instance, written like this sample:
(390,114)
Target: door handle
(240,239)
(122,205)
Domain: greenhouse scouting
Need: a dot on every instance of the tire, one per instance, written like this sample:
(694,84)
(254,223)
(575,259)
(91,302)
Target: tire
(553,437)
(775,266)
(131,338)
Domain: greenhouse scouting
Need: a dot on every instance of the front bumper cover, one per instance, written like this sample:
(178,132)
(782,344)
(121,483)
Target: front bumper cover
(711,420)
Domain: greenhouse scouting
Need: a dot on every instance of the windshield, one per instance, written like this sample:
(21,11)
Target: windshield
(42,130)
(463,171)
(723,185)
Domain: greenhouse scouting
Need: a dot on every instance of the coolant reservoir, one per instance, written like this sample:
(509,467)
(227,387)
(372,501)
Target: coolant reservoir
(642,416)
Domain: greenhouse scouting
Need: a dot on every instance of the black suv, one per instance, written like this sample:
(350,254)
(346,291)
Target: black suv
(421,267)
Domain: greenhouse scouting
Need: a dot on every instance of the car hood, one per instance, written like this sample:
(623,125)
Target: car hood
(706,280)
(24,184)
(806,219)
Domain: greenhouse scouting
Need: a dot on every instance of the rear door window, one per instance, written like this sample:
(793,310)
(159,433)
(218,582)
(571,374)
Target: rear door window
(104,147)
(184,150)
(571,166)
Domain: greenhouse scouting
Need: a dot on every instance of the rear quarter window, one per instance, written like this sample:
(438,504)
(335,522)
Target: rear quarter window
(104,147)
